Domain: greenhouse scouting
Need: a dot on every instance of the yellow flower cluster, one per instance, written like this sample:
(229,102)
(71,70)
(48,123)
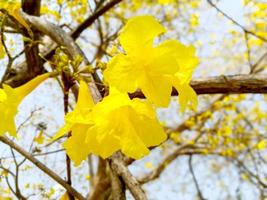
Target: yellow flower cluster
(117,122)
(153,69)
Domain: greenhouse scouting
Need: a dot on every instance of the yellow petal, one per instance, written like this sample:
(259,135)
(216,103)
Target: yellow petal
(76,147)
(8,106)
(16,14)
(62,131)
(143,108)
(109,104)
(39,139)
(132,145)
(81,114)
(146,125)
(3,95)
(9,123)
(85,99)
(65,196)
(2,51)
(164,60)
(187,96)
(27,88)
(121,73)
(150,132)
(119,125)
(140,31)
(102,140)
(184,55)
(157,89)
(165,1)
(140,132)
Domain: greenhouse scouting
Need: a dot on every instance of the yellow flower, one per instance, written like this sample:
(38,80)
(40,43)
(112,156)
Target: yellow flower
(153,69)
(78,121)
(137,3)
(10,5)
(2,51)
(39,139)
(165,1)
(13,7)
(10,98)
(123,124)
(116,123)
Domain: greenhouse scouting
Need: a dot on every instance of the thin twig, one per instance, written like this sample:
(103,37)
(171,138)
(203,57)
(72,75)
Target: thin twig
(236,23)
(42,167)
(200,195)
(132,184)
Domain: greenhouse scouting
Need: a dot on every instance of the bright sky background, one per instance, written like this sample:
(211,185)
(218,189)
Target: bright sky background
(176,174)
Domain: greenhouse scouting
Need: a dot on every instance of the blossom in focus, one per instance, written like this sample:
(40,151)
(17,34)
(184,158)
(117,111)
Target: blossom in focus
(153,69)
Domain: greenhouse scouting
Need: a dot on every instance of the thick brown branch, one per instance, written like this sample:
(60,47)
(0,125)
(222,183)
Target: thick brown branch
(236,84)
(90,20)
(34,61)
(117,186)
(101,183)
(20,75)
(132,184)
(62,39)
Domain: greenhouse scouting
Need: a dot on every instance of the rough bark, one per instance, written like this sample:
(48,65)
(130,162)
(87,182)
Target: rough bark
(235,84)
(33,60)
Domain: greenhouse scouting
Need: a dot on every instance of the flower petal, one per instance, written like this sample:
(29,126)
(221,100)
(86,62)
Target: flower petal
(184,56)
(102,140)
(157,89)
(187,96)
(62,131)
(132,145)
(27,88)
(146,126)
(140,31)
(76,147)
(85,99)
(121,73)
(9,124)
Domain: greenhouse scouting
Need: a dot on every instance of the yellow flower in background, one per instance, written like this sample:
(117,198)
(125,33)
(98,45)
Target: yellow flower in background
(10,5)
(153,69)
(10,98)
(2,51)
(13,7)
(116,123)
(137,3)
(39,139)
(166,1)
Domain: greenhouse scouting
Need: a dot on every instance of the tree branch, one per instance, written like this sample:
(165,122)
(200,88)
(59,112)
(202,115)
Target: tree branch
(42,167)
(191,169)
(234,84)
(63,39)
(117,185)
(34,61)
(236,23)
(20,75)
(90,20)
(132,184)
